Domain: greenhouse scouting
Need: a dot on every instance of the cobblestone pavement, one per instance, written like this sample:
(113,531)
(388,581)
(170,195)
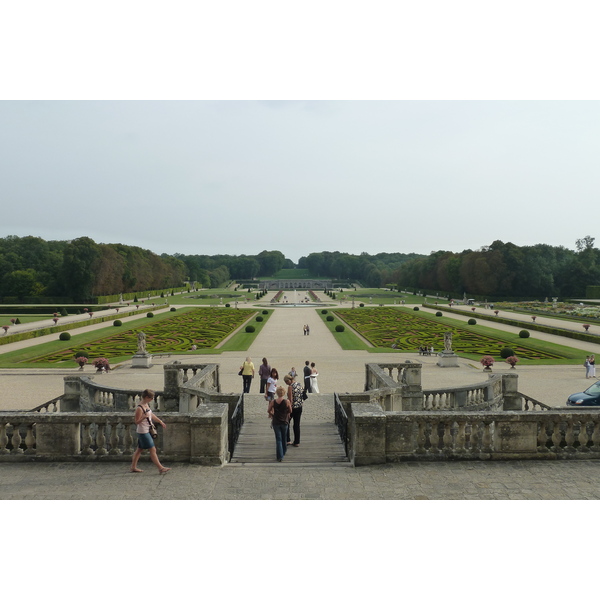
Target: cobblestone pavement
(506,480)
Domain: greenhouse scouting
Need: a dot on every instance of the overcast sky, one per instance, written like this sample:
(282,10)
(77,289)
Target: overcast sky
(210,128)
(238,177)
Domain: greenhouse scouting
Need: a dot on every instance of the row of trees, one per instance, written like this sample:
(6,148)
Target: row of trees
(214,271)
(81,268)
(506,270)
(372,270)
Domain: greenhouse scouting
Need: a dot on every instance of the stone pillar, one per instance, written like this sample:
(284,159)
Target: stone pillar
(515,437)
(71,395)
(173,378)
(366,426)
(412,392)
(510,392)
(57,436)
(209,435)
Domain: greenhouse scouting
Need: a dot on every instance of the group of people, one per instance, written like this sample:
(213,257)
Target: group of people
(425,351)
(285,403)
(306,330)
(590,367)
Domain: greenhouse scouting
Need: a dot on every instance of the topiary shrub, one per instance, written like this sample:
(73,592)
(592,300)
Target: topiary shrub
(227,305)
(65,336)
(361,304)
(339,328)
(329,317)
(472,322)
(81,353)
(438,314)
(506,352)
(259,318)
(250,329)
(150,315)
(524,333)
(265,312)
(416,308)
(324,311)
(17,321)
(63,312)
(117,323)
(172,309)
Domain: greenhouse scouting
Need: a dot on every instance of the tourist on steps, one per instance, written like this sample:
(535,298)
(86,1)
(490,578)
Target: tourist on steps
(279,411)
(294,395)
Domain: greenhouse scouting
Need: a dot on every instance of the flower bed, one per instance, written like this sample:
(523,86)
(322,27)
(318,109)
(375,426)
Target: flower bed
(204,327)
(384,327)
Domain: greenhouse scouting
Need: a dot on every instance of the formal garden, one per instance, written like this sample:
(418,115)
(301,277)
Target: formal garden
(406,330)
(173,332)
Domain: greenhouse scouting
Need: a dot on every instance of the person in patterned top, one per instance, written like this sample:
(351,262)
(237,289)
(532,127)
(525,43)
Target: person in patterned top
(294,394)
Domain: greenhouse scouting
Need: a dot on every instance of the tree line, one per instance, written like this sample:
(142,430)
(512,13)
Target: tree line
(506,270)
(81,269)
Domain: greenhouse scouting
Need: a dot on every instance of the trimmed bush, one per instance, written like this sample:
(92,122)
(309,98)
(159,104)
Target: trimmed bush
(63,312)
(339,328)
(416,308)
(250,329)
(259,318)
(82,353)
(506,352)
(524,333)
(228,306)
(172,309)
(361,304)
(472,322)
(265,312)
(17,321)
(117,323)
(65,336)
(329,317)
(438,314)
(324,311)
(150,315)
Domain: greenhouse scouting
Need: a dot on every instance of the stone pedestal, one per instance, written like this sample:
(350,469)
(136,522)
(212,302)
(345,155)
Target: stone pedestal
(141,361)
(447,358)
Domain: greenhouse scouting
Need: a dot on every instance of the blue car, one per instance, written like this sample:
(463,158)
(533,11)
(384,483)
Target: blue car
(590,397)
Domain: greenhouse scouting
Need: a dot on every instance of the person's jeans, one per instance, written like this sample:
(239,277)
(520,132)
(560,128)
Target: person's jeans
(307,385)
(247,381)
(263,385)
(280,430)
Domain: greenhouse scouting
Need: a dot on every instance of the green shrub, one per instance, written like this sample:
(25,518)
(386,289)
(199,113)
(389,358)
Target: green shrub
(506,352)
(361,304)
(82,353)
(65,336)
(438,314)
(259,318)
(339,328)
(324,312)
(265,312)
(150,315)
(117,323)
(17,321)
(329,317)
(472,322)
(416,308)
(63,312)
(524,333)
(250,329)
(172,309)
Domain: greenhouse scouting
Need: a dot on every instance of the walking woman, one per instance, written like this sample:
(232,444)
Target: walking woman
(272,384)
(247,370)
(294,394)
(263,372)
(279,411)
(143,419)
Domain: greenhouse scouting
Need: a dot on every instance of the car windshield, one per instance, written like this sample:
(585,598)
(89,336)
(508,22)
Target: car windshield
(594,390)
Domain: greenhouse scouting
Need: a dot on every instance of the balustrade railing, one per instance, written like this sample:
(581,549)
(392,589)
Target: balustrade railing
(50,406)
(341,421)
(529,404)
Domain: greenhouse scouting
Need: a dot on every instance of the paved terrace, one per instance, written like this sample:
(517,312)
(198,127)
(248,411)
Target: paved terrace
(283,343)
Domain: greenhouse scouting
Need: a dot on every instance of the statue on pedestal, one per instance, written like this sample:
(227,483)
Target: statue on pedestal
(448,341)
(141,343)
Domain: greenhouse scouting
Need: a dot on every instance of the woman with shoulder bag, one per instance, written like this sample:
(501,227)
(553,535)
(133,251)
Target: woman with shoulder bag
(144,418)
(295,396)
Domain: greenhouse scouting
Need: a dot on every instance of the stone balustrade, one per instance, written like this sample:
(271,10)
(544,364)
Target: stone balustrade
(199,437)
(478,396)
(377,436)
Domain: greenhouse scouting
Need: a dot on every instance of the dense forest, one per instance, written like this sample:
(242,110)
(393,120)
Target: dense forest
(81,269)
(506,270)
